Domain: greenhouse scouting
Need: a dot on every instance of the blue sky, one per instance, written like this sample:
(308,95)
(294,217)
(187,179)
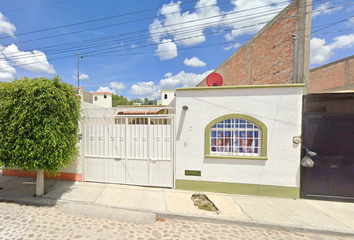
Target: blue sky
(144,46)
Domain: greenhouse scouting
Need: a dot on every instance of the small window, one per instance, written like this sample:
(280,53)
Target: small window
(105,96)
(165,96)
(236,136)
(96,98)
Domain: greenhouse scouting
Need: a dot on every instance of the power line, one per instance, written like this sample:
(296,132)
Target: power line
(41,5)
(191,30)
(136,20)
(108,52)
(207,25)
(186,48)
(185,31)
(105,18)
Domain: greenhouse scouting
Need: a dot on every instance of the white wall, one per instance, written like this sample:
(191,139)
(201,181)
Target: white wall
(103,102)
(170,96)
(278,108)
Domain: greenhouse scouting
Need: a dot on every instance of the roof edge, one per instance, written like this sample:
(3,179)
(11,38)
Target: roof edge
(243,87)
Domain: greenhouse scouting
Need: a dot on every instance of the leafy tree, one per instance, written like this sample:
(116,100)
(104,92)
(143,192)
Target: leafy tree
(120,100)
(38,125)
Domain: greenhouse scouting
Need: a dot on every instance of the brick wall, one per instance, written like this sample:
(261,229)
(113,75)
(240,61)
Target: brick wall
(267,58)
(335,76)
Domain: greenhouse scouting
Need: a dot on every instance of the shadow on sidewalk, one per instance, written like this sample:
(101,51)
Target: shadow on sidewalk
(22,190)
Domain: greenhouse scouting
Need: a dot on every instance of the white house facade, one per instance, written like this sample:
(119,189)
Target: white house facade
(212,123)
(167,95)
(103,99)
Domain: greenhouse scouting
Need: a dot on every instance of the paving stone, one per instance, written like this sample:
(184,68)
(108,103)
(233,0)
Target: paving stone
(27,222)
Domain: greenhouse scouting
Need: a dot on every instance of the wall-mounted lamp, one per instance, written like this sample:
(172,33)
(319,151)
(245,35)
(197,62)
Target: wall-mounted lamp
(297,139)
(185,107)
(79,136)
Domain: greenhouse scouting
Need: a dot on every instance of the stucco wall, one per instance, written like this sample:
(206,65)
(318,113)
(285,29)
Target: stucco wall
(170,96)
(103,102)
(279,108)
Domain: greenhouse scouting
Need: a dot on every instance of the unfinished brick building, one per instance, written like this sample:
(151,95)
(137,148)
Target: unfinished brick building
(333,77)
(268,57)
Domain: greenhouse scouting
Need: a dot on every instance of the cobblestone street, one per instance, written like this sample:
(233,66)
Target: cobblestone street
(28,222)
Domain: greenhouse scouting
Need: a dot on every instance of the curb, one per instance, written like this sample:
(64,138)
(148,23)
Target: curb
(244,223)
(264,225)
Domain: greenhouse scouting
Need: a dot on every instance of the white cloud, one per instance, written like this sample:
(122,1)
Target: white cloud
(321,53)
(116,85)
(147,89)
(188,28)
(183,79)
(6,27)
(324,9)
(34,62)
(241,17)
(6,70)
(106,89)
(173,22)
(169,74)
(350,21)
(236,45)
(194,62)
(166,50)
(6,76)
(82,76)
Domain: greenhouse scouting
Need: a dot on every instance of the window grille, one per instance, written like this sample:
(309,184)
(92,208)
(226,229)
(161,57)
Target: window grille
(235,137)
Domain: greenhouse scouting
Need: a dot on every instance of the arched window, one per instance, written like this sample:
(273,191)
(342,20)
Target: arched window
(236,136)
(165,96)
(96,98)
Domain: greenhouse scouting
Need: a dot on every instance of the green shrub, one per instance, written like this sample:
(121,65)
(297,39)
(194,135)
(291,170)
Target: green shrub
(38,124)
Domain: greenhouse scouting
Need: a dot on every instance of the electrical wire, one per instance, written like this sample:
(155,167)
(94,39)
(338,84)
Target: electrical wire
(111,17)
(132,21)
(151,35)
(41,5)
(127,49)
(59,51)
(186,48)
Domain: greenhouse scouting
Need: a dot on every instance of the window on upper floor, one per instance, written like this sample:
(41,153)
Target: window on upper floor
(105,96)
(236,136)
(165,96)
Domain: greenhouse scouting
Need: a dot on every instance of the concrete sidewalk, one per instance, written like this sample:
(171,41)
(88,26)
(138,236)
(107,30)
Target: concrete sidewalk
(277,213)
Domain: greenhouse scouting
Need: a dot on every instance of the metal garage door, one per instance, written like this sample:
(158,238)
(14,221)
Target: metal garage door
(135,150)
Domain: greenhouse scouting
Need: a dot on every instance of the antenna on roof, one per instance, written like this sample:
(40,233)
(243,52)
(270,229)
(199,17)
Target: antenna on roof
(214,80)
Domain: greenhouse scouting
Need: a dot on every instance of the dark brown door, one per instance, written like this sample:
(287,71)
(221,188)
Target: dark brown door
(331,136)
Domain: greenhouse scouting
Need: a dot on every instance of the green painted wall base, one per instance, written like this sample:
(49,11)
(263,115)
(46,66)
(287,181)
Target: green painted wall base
(239,188)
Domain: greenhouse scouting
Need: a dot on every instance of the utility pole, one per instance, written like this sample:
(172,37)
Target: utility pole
(78,80)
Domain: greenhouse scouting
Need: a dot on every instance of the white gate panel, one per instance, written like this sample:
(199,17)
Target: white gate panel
(161,140)
(160,173)
(129,149)
(115,170)
(137,171)
(137,144)
(115,141)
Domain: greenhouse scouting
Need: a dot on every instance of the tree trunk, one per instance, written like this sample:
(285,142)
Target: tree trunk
(40,183)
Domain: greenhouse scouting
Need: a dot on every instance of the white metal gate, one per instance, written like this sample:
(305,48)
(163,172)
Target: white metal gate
(135,150)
